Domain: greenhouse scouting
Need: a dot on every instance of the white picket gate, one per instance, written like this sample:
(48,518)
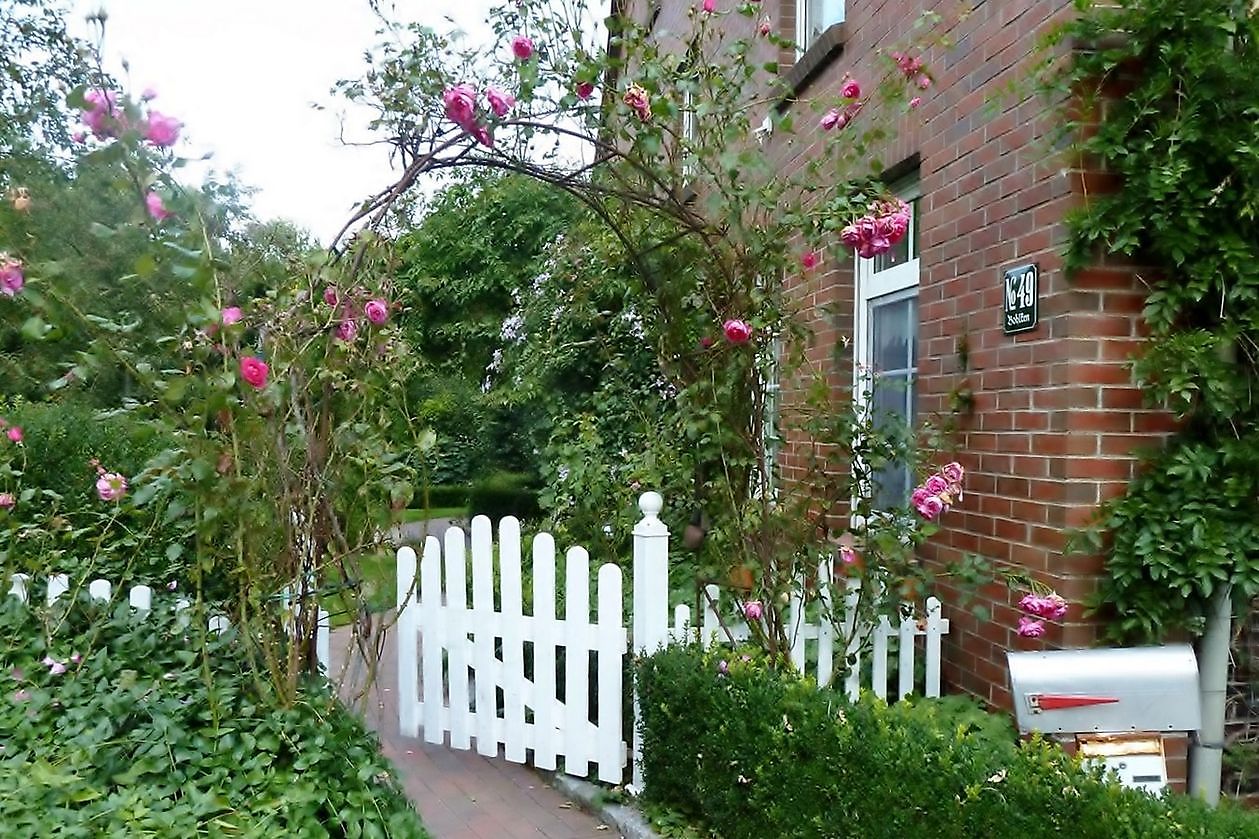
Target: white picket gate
(462,664)
(141,599)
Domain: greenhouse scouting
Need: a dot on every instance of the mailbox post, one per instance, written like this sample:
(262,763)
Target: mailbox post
(1115,704)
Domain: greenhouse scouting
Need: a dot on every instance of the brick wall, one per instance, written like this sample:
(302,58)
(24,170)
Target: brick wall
(1055,420)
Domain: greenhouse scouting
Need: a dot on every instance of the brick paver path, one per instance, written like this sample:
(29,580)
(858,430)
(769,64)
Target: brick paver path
(461,795)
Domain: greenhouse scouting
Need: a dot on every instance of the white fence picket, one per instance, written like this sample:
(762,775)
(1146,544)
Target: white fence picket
(935,629)
(681,624)
(544,640)
(58,584)
(485,629)
(19,586)
(408,635)
(100,589)
(141,598)
(609,745)
(878,657)
(908,631)
(513,640)
(456,641)
(852,651)
(826,631)
(433,640)
(577,643)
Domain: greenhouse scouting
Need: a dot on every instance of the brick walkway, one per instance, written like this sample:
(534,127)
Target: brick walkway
(461,795)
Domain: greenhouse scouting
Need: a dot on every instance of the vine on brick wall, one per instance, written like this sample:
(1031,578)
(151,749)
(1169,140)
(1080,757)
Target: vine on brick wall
(1163,94)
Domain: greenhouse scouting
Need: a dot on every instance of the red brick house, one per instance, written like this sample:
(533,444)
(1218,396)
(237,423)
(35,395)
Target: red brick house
(1050,420)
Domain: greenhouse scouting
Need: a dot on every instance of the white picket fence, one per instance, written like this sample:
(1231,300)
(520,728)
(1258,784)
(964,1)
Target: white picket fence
(141,599)
(457,658)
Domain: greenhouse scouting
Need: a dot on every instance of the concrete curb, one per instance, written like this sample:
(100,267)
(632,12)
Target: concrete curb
(627,819)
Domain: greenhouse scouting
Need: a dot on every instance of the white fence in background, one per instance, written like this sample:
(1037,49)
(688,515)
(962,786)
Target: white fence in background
(484,669)
(141,600)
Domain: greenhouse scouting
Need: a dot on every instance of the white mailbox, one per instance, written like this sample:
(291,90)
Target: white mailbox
(1106,690)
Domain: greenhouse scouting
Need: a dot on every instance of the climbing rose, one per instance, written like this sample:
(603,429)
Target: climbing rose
(915,102)
(638,100)
(377,311)
(1050,606)
(706,342)
(737,331)
(522,47)
(231,315)
(879,230)
(14,433)
(810,260)
(752,610)
(930,507)
(832,118)
(161,130)
(483,136)
(936,485)
(111,486)
(500,101)
(585,90)
(157,209)
(765,27)
(709,6)
(254,371)
(460,102)
(330,296)
(723,667)
(923,82)
(102,114)
(11,277)
(346,330)
(847,555)
(850,89)
(952,472)
(1029,628)
(7,501)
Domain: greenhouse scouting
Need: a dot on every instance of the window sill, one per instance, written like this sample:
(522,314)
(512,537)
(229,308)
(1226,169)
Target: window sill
(820,54)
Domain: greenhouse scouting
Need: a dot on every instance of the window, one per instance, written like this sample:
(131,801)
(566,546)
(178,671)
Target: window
(813,17)
(886,357)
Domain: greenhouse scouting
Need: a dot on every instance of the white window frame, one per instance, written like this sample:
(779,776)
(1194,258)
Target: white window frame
(813,17)
(898,283)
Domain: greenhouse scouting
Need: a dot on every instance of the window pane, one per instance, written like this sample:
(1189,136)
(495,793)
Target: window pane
(893,328)
(893,388)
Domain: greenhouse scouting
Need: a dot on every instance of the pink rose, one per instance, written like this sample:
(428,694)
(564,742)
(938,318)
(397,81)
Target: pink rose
(1050,606)
(1029,628)
(850,89)
(157,209)
(953,472)
(522,47)
(11,277)
(930,507)
(148,94)
(330,296)
(923,81)
(847,555)
(161,130)
(765,27)
(14,433)
(918,496)
(7,501)
(254,371)
(460,102)
(709,6)
(585,90)
(500,101)
(111,486)
(706,342)
(752,610)
(936,485)
(638,100)
(810,260)
(850,236)
(102,114)
(347,330)
(483,136)
(377,311)
(737,331)
(830,119)
(915,102)
(231,315)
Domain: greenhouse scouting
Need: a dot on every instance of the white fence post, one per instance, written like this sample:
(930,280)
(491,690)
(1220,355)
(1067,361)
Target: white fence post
(651,598)
(408,644)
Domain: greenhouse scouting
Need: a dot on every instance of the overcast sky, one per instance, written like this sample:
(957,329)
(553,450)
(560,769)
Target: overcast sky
(243,75)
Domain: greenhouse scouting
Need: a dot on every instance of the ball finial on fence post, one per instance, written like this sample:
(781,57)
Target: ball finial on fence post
(650,503)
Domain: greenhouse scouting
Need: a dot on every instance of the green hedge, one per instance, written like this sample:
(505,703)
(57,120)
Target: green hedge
(504,494)
(149,734)
(443,495)
(753,753)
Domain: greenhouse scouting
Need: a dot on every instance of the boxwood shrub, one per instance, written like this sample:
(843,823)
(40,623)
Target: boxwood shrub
(755,753)
(148,734)
(504,494)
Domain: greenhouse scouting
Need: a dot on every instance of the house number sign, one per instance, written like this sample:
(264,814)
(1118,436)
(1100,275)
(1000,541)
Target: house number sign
(1021,292)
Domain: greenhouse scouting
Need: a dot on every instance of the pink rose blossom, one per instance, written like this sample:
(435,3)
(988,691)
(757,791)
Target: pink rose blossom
(157,209)
(500,101)
(483,136)
(936,485)
(7,501)
(585,90)
(79,136)
(850,89)
(254,371)
(347,330)
(953,472)
(522,47)
(377,311)
(14,433)
(810,260)
(765,27)
(737,331)
(709,6)
(847,555)
(723,668)
(111,486)
(638,100)
(930,507)
(915,102)
(752,610)
(102,114)
(1050,606)
(330,296)
(231,315)
(460,102)
(706,341)
(831,118)
(11,277)
(1029,628)
(161,130)
(923,81)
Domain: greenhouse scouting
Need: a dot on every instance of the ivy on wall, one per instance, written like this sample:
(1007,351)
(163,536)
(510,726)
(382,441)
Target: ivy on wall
(1164,94)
